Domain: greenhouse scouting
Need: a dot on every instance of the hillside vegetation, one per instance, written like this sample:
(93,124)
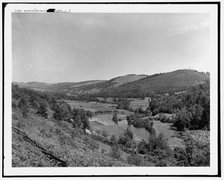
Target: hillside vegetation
(159,83)
(43,134)
(48,132)
(127,86)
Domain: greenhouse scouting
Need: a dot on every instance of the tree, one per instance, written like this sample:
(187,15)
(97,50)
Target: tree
(42,110)
(205,123)
(150,129)
(115,152)
(183,120)
(123,103)
(148,112)
(126,137)
(135,159)
(23,106)
(62,111)
(129,120)
(81,118)
(196,115)
(115,119)
(113,140)
(153,105)
(195,153)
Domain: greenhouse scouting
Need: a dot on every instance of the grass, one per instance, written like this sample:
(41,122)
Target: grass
(200,135)
(138,103)
(102,122)
(92,106)
(65,142)
(170,134)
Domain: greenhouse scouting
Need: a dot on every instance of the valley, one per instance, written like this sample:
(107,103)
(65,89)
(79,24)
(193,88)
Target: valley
(154,124)
(102,122)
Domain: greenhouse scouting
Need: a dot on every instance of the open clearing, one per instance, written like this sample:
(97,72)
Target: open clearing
(103,122)
(170,134)
(136,103)
(92,106)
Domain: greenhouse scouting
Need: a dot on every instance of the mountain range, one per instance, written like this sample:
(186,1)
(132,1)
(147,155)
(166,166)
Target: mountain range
(127,85)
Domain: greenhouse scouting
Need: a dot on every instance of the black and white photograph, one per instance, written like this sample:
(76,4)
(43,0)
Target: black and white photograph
(111,89)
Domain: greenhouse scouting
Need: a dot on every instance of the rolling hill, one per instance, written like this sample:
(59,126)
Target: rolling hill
(128,85)
(160,83)
(84,87)
(121,80)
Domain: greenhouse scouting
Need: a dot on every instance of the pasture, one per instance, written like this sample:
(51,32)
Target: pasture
(136,103)
(170,134)
(92,106)
(103,121)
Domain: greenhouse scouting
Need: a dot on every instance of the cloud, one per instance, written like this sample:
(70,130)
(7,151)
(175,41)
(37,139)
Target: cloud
(188,29)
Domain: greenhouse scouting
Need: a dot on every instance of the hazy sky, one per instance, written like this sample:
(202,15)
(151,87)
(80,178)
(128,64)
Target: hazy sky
(89,46)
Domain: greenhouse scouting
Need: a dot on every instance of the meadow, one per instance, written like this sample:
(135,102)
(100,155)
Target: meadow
(50,132)
(103,122)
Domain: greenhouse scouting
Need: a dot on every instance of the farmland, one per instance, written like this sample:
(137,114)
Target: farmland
(162,130)
(92,106)
(103,122)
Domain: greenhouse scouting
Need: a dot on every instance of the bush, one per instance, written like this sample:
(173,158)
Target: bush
(123,104)
(81,118)
(23,106)
(157,143)
(115,152)
(42,110)
(150,129)
(183,120)
(126,138)
(181,157)
(135,159)
(113,140)
(115,119)
(62,111)
(195,154)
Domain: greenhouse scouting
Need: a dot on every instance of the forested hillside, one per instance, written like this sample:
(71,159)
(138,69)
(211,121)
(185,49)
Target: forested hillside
(127,86)
(47,132)
(179,80)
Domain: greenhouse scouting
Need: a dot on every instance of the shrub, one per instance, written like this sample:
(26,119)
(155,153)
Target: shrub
(135,159)
(62,111)
(126,138)
(123,104)
(115,152)
(150,129)
(157,143)
(115,119)
(23,106)
(183,119)
(195,154)
(42,110)
(181,157)
(113,140)
(80,118)
(105,134)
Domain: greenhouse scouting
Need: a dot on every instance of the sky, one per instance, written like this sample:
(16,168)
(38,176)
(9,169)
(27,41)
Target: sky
(76,47)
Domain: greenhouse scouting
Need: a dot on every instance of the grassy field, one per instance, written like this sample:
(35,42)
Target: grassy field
(103,122)
(92,106)
(136,103)
(44,142)
(170,134)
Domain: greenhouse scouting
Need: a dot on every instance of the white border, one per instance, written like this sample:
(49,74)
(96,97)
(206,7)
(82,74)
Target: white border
(114,8)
